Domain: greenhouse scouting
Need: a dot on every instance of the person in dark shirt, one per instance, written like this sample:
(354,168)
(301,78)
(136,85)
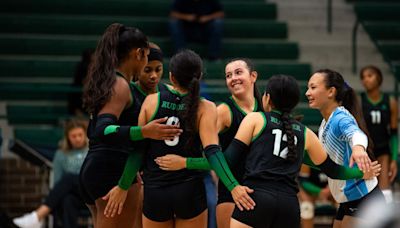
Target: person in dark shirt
(380,113)
(197,21)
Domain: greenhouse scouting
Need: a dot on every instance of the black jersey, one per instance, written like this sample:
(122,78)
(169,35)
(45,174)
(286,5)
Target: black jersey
(127,118)
(266,164)
(170,105)
(138,96)
(377,117)
(227,135)
(237,115)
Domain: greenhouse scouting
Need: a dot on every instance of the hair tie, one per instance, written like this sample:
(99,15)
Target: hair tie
(346,86)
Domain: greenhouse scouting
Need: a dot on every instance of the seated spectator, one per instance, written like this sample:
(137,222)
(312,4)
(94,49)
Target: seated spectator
(197,21)
(313,187)
(65,195)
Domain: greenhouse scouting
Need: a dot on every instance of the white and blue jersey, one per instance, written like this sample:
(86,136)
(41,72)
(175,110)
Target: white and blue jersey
(336,136)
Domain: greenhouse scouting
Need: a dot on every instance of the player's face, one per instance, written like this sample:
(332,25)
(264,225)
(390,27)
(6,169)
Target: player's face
(151,75)
(139,60)
(369,80)
(238,78)
(317,94)
(77,137)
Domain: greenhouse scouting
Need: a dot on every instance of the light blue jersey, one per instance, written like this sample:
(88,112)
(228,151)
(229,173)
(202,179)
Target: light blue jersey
(335,135)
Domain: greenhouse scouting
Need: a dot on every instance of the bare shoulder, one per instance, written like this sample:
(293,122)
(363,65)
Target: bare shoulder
(207,105)
(223,109)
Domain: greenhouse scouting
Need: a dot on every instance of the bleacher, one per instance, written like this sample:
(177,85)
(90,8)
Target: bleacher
(381,20)
(41,41)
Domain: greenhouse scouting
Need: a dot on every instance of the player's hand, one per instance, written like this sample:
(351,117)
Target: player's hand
(374,171)
(240,195)
(360,157)
(171,162)
(392,170)
(116,198)
(158,131)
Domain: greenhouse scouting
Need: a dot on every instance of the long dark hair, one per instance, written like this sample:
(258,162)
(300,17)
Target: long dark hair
(284,93)
(112,49)
(251,68)
(187,68)
(347,97)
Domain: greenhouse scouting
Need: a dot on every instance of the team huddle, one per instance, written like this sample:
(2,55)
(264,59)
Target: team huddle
(151,143)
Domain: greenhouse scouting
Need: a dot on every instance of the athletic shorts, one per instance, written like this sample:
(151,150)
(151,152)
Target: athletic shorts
(351,208)
(184,200)
(100,172)
(273,209)
(224,195)
(382,151)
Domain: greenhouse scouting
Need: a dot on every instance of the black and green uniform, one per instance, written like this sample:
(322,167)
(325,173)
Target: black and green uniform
(377,118)
(104,164)
(172,193)
(225,138)
(272,176)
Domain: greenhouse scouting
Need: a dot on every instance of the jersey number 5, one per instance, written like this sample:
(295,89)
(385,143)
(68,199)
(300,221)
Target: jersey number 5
(173,120)
(277,143)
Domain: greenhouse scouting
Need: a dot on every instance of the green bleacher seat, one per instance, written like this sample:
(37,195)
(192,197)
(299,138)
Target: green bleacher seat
(386,30)
(154,26)
(258,10)
(36,91)
(39,136)
(74,46)
(377,11)
(63,68)
(34,114)
(390,49)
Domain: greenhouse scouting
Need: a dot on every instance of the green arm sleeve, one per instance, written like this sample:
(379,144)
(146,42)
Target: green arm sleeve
(394,144)
(218,164)
(310,188)
(135,132)
(132,166)
(334,170)
(197,163)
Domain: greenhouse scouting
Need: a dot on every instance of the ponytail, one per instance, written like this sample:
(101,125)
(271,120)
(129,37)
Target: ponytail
(98,88)
(288,130)
(258,97)
(191,101)
(113,48)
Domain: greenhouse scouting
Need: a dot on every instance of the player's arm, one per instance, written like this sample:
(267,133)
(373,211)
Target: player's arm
(319,158)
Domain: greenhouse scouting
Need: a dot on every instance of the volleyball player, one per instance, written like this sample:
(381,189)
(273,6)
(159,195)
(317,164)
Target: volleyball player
(380,113)
(342,134)
(120,56)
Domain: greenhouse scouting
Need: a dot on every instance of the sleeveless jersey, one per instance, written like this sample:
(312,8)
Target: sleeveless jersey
(170,105)
(266,164)
(127,118)
(227,135)
(335,135)
(377,117)
(138,96)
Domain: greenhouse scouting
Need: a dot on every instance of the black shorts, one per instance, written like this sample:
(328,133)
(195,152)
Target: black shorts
(273,209)
(351,208)
(184,200)
(382,151)
(224,195)
(100,172)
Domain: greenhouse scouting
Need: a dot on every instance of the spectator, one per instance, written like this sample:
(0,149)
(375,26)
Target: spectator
(197,21)
(65,194)
(81,70)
